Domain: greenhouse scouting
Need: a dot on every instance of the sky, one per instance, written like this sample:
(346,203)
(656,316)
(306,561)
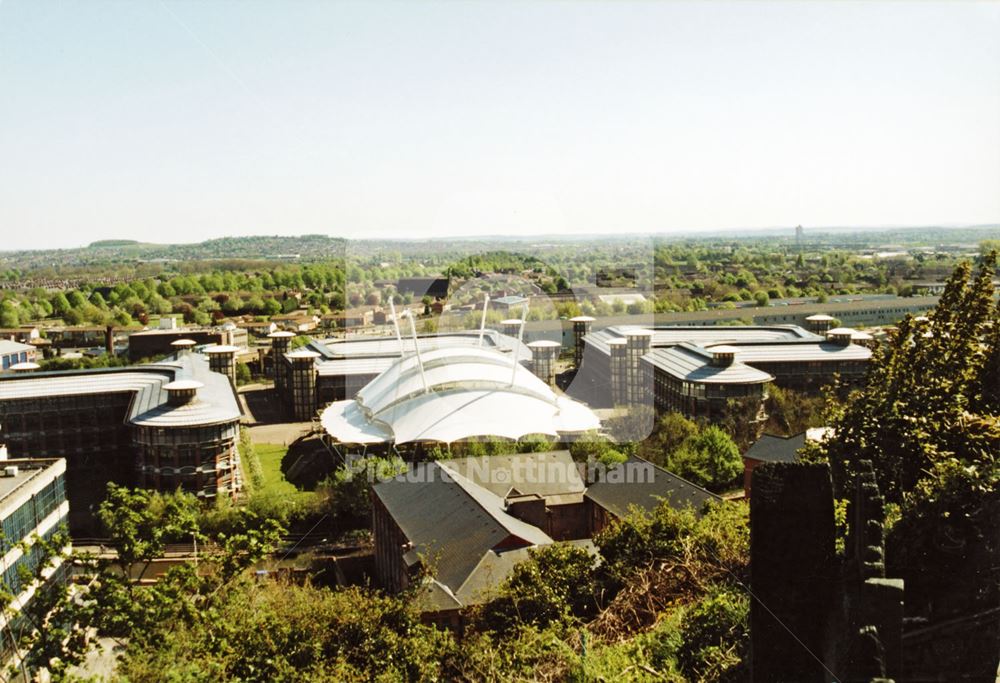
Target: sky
(181,121)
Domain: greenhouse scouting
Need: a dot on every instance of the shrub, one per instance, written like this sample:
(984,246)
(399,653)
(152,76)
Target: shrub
(715,635)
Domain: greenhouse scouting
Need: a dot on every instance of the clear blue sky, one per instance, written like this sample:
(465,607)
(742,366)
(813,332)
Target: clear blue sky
(178,121)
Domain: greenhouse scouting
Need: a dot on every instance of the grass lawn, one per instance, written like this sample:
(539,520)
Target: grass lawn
(270,455)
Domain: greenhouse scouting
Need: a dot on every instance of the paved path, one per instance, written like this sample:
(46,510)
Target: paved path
(279,433)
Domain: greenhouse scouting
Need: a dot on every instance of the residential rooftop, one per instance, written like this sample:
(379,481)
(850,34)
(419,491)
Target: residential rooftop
(641,485)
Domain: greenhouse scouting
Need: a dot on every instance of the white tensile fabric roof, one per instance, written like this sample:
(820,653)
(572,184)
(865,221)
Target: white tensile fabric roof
(469,393)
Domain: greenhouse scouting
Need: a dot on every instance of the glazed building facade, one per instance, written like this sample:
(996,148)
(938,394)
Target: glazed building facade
(697,382)
(698,371)
(165,426)
(32,506)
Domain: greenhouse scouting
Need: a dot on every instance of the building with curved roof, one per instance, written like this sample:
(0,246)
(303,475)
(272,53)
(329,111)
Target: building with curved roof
(696,370)
(347,365)
(453,394)
(167,425)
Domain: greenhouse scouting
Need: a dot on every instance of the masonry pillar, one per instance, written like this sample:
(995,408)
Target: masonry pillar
(637,344)
(582,325)
(302,383)
(792,570)
(618,375)
(222,359)
(543,359)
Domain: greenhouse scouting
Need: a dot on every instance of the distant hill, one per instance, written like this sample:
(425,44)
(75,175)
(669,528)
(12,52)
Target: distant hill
(120,253)
(101,244)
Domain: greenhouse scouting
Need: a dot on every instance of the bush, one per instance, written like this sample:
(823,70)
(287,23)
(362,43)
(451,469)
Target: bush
(715,637)
(278,631)
(710,458)
(557,584)
(345,495)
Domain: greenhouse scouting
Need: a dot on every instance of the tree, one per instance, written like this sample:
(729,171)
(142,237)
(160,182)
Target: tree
(140,523)
(672,430)
(927,421)
(347,493)
(120,317)
(97,300)
(277,630)
(49,632)
(60,304)
(8,314)
(708,457)
(271,307)
(712,547)
(913,409)
(790,412)
(591,448)
(556,584)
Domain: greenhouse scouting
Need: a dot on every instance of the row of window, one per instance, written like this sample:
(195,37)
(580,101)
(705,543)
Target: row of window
(19,625)
(14,358)
(21,572)
(22,521)
(160,436)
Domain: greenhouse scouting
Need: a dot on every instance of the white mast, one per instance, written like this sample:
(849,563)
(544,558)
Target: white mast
(482,324)
(517,347)
(395,324)
(416,348)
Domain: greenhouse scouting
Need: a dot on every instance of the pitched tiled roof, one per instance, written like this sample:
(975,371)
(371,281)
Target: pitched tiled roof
(771,448)
(639,483)
(452,522)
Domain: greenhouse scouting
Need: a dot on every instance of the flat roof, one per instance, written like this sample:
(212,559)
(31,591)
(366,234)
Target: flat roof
(692,363)
(175,332)
(7,346)
(672,335)
(215,402)
(28,469)
(387,346)
(799,351)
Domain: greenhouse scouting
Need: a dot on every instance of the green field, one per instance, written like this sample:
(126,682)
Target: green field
(269,456)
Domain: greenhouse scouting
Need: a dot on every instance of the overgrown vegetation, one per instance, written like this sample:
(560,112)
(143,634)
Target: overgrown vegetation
(929,422)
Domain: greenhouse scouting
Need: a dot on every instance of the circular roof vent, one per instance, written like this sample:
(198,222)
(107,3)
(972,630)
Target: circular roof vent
(220,348)
(723,355)
(182,391)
